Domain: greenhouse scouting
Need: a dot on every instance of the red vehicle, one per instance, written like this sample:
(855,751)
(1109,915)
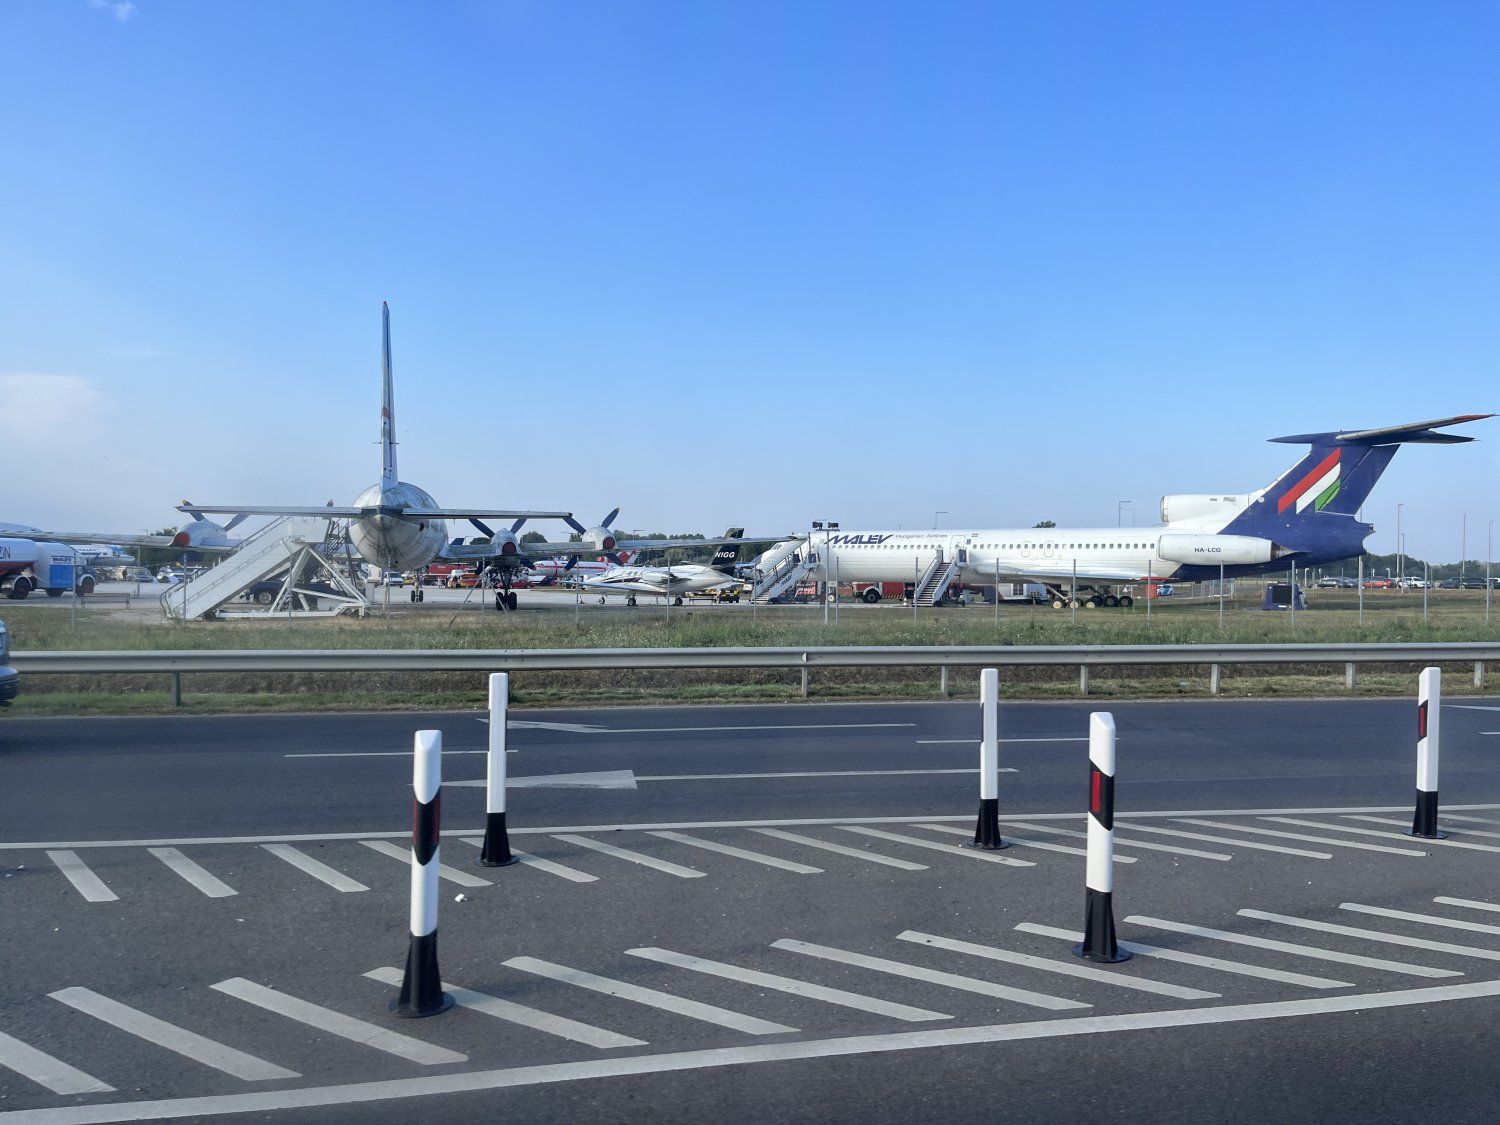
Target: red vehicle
(872,592)
(1378,584)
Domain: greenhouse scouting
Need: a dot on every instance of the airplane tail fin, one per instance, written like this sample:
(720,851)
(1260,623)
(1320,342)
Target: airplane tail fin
(387,403)
(728,554)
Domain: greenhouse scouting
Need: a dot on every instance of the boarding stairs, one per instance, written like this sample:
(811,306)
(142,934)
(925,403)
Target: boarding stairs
(288,546)
(936,579)
(783,576)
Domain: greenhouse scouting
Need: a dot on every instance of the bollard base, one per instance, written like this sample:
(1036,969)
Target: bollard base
(1425,818)
(987,827)
(422,992)
(1099,942)
(495,851)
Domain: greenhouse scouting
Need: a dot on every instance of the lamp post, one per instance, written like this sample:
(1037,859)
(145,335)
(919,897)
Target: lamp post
(1400,545)
(935,519)
(828,529)
(1120,514)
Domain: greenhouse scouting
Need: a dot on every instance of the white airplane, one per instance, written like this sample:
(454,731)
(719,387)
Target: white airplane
(672,581)
(1307,517)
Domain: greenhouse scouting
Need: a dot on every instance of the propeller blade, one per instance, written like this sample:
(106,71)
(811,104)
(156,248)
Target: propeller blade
(613,558)
(520,523)
(572,562)
(574,524)
(234,522)
(609,519)
(483,527)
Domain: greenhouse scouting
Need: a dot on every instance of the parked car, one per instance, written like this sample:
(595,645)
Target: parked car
(1448,584)
(1474,584)
(1330,582)
(1413,584)
(1379,583)
(10,679)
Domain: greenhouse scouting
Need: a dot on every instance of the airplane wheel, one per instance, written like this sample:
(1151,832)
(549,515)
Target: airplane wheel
(512,601)
(676,601)
(1058,603)
(1126,601)
(1093,603)
(601,599)
(499,602)
(628,601)
(1073,603)
(1111,602)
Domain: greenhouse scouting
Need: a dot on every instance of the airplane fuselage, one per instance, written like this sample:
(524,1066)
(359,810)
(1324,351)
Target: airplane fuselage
(390,540)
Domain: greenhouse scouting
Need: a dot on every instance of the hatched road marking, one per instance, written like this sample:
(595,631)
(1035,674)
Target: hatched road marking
(452,874)
(89,885)
(47,1071)
(211,885)
(633,857)
(1373,935)
(841,849)
(316,868)
(933,845)
(740,853)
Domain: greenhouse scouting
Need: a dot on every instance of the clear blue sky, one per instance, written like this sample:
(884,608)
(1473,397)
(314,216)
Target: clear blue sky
(748,263)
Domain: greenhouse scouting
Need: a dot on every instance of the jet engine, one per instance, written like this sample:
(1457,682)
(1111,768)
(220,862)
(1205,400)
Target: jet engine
(1211,550)
(600,538)
(504,542)
(200,533)
(1180,509)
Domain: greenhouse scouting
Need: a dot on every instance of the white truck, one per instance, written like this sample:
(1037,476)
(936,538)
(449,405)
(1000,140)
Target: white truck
(27,565)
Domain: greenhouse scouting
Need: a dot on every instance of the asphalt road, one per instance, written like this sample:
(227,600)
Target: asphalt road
(1358,1012)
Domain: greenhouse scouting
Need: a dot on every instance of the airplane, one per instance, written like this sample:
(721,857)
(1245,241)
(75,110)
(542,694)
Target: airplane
(31,558)
(1307,517)
(566,567)
(393,523)
(672,581)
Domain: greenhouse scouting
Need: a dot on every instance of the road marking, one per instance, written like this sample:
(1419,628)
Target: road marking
(953,830)
(1425,919)
(789,985)
(47,1071)
(813,773)
(600,779)
(1373,935)
(89,885)
(515,1013)
(336,1023)
(666,1001)
(1383,835)
(376,753)
(634,857)
(1313,951)
(558,869)
(1445,825)
(534,724)
(841,849)
(779,726)
(948,849)
(1173,849)
(1471,903)
(930,976)
(975,742)
(1303,836)
(1225,840)
(366,1093)
(1475,819)
(1063,968)
(452,874)
(209,884)
(179,1040)
(314,867)
(1219,963)
(740,853)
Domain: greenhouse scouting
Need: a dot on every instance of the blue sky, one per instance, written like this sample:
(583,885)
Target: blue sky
(748,263)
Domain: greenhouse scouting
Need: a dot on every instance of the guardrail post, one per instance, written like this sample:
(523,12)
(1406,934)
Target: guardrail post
(987,827)
(496,849)
(804,675)
(422,984)
(1349,673)
(1479,673)
(1429,708)
(1099,942)
(1214,679)
(176,689)
(1083,679)
(943,681)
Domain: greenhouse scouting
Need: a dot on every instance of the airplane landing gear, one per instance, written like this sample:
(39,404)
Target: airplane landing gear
(505,597)
(677,600)
(628,601)
(1063,599)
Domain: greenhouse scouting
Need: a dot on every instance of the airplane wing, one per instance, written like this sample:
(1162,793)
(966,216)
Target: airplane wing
(326,511)
(672,544)
(111,540)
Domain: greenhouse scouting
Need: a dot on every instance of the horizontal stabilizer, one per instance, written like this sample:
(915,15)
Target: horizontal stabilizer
(1390,435)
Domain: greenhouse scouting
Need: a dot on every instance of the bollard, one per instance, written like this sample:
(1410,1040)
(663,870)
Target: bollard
(1429,704)
(1099,942)
(422,985)
(987,828)
(496,849)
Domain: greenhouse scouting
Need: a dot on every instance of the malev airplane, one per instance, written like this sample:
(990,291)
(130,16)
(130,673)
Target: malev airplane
(1306,518)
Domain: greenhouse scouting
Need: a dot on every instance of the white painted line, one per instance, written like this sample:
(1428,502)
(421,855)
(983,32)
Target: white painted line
(790,986)
(953,830)
(600,779)
(209,884)
(1471,903)
(376,753)
(975,742)
(1424,919)
(89,885)
(740,853)
(561,870)
(452,874)
(666,1001)
(1218,963)
(779,726)
(1173,849)
(314,867)
(932,845)
(1373,935)
(179,1040)
(1382,835)
(1063,968)
(930,976)
(47,1071)
(336,1023)
(1445,825)
(1313,951)
(841,849)
(633,857)
(511,1012)
(814,773)
(534,724)
(1304,837)
(1474,819)
(844,1046)
(1225,840)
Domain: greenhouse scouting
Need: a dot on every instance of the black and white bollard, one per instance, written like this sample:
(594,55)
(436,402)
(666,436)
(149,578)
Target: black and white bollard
(496,849)
(1099,942)
(1429,703)
(987,828)
(422,986)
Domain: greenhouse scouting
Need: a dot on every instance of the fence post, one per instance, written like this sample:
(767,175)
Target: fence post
(496,849)
(1349,674)
(422,984)
(1479,673)
(804,675)
(987,827)
(1429,707)
(1099,942)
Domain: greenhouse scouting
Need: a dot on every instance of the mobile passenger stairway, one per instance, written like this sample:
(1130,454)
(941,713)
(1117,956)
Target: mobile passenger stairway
(937,578)
(783,575)
(290,546)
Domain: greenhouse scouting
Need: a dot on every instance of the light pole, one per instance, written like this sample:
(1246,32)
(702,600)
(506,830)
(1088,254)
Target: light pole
(935,519)
(1463,550)
(1489,557)
(823,561)
(1400,545)
(1120,514)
